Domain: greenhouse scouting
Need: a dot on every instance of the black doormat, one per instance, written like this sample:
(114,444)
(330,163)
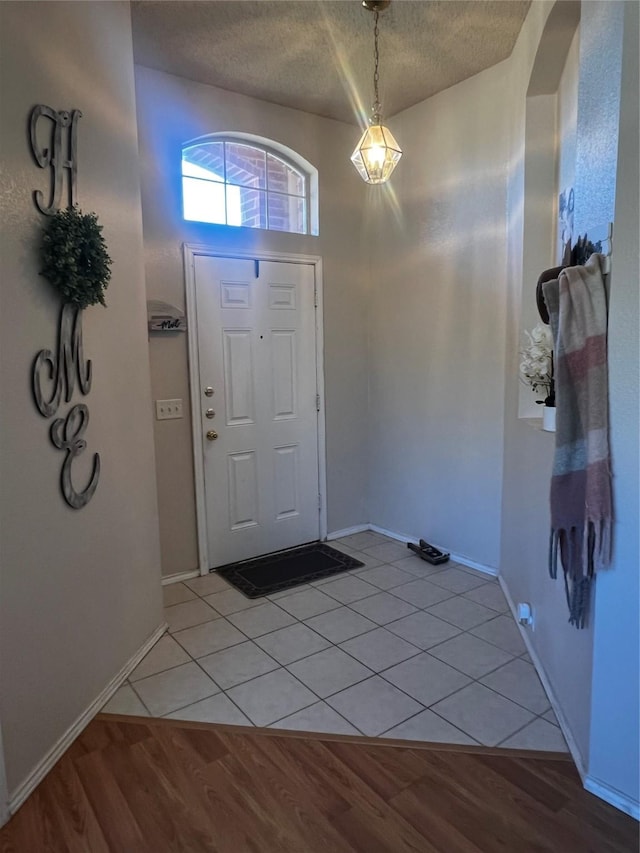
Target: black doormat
(286,569)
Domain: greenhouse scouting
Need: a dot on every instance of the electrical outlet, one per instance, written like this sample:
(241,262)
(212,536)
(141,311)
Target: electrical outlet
(168,409)
(525,614)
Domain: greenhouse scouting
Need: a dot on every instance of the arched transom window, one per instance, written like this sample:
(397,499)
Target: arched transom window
(237,181)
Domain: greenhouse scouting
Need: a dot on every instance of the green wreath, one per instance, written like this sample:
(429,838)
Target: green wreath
(75,258)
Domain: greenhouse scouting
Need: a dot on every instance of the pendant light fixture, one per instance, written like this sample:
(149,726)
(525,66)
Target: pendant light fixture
(377,154)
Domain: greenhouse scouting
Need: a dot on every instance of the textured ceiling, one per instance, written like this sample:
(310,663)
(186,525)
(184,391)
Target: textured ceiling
(317,55)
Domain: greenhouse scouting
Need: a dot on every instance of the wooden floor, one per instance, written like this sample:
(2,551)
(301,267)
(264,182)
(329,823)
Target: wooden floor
(134,785)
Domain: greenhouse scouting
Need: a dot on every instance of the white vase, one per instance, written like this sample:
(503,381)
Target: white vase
(549,418)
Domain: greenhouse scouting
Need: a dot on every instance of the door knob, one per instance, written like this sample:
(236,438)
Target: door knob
(212,435)
(210,413)
(208,391)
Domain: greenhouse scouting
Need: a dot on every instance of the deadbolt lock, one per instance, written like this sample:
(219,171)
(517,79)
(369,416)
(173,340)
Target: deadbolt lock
(212,435)
(208,391)
(210,413)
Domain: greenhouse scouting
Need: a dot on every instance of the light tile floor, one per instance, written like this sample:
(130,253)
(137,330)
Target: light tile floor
(397,648)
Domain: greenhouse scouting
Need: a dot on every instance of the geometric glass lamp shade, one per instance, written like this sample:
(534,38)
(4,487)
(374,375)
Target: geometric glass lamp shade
(377,154)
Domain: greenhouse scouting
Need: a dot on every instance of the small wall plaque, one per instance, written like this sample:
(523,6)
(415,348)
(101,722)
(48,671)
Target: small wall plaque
(163,317)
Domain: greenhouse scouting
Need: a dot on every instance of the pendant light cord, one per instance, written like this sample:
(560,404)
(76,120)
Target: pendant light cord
(376,105)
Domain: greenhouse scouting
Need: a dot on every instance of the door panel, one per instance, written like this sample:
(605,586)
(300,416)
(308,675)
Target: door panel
(283,374)
(237,358)
(286,481)
(243,490)
(257,350)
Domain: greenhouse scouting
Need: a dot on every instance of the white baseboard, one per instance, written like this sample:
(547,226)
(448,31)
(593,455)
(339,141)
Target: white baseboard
(179,577)
(41,769)
(542,675)
(399,537)
(594,786)
(612,796)
(348,531)
(5,814)
(472,564)
(456,558)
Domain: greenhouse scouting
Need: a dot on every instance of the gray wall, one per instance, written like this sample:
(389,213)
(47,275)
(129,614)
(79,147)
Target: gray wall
(615,749)
(437,322)
(80,590)
(528,452)
(598,112)
(171,111)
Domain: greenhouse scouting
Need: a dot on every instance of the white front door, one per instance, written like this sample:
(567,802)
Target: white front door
(258,406)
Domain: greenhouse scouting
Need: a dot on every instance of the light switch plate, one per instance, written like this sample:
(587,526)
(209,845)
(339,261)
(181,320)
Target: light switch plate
(168,409)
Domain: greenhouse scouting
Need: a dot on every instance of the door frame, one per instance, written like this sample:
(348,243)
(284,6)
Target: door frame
(190,252)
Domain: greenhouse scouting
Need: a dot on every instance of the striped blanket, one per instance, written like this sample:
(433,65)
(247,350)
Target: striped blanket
(581,503)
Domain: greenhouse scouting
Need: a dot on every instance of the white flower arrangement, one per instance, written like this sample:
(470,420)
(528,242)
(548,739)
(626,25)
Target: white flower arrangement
(536,367)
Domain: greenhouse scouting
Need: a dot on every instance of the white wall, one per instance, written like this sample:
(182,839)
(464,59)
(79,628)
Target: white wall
(539,221)
(567,119)
(598,112)
(171,111)
(615,749)
(80,589)
(565,654)
(528,452)
(549,164)
(436,349)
